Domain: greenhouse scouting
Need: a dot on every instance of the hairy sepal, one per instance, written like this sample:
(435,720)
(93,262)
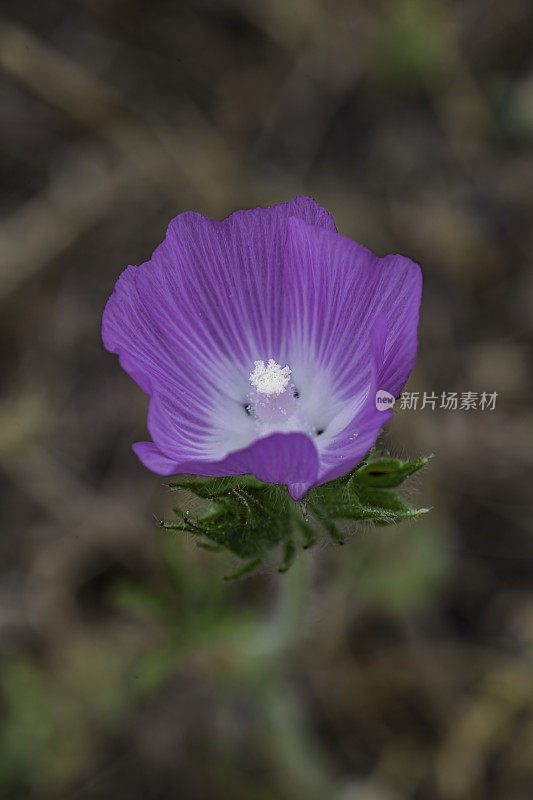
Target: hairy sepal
(249,518)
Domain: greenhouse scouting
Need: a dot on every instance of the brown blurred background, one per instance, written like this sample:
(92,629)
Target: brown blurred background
(396,669)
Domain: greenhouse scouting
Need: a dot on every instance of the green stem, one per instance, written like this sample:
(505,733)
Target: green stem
(288,740)
(294,592)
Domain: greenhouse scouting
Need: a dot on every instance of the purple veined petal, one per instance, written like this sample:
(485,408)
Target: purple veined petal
(145,351)
(187,416)
(184,432)
(217,288)
(209,297)
(335,289)
(353,431)
(402,308)
(189,324)
(278,458)
(128,331)
(152,457)
(353,328)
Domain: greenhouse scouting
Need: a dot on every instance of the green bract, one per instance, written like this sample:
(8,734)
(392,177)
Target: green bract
(250,518)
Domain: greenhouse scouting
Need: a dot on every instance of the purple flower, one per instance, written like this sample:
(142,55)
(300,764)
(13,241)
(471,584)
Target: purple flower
(262,341)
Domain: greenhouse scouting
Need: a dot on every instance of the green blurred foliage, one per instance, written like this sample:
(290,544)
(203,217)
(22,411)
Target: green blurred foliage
(53,714)
(402,574)
(413,46)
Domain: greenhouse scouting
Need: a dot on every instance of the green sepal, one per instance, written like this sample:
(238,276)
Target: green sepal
(208,488)
(388,507)
(385,473)
(249,518)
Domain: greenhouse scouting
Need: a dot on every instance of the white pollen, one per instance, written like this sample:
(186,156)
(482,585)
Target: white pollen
(270,379)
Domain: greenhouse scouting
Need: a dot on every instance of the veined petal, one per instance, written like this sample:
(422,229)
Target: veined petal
(353,431)
(401,307)
(360,435)
(335,289)
(189,324)
(218,287)
(183,431)
(150,455)
(278,458)
(143,351)
(353,320)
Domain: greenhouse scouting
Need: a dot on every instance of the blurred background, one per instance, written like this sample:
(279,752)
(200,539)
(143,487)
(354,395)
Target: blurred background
(396,669)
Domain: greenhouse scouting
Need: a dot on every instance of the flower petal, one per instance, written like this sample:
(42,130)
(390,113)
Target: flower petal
(353,320)
(216,288)
(150,455)
(189,324)
(278,458)
(185,431)
(184,419)
(128,330)
(335,289)
(401,308)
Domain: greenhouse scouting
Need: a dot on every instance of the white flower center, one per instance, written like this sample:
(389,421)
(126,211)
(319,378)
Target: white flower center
(270,379)
(270,402)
